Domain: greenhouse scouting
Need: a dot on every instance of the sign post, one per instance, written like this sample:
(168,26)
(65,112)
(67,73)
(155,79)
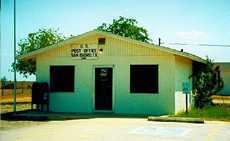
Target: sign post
(186,102)
(186,91)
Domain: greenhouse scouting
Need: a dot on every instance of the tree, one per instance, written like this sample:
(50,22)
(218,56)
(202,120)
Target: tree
(40,39)
(3,83)
(126,27)
(206,82)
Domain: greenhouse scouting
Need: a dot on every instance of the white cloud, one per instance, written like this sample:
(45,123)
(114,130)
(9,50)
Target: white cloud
(193,36)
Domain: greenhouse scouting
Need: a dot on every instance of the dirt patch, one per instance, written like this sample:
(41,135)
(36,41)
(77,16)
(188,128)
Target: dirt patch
(218,99)
(19,98)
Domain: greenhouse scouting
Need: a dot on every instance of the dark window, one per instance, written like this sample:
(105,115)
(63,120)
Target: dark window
(101,41)
(144,78)
(62,78)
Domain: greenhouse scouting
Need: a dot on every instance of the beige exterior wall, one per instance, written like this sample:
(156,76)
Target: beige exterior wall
(120,55)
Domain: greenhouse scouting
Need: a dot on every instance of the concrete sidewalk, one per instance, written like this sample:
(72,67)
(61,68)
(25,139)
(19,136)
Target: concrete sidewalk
(119,129)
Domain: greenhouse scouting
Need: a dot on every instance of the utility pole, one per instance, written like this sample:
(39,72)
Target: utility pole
(15,79)
(159,42)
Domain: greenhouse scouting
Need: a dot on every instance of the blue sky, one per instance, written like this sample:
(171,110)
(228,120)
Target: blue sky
(174,21)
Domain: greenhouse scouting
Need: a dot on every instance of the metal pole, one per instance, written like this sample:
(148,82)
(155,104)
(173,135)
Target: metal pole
(186,100)
(15,80)
(159,42)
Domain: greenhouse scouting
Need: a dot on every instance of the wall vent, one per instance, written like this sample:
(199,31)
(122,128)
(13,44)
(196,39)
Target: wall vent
(101,41)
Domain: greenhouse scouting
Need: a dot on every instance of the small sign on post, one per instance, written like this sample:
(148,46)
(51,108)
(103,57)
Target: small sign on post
(186,91)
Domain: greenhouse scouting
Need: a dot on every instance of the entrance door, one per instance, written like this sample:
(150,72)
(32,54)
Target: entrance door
(103,88)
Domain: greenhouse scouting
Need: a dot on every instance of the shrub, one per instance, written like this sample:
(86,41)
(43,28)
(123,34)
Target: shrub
(206,82)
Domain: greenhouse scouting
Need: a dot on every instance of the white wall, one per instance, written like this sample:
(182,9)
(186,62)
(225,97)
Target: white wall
(119,54)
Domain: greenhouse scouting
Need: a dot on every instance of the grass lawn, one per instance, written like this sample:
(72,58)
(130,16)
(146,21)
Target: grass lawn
(216,112)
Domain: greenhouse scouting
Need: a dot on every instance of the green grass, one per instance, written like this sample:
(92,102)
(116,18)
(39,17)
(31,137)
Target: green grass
(216,112)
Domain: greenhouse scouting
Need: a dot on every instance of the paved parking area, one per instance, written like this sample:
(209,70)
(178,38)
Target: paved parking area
(119,129)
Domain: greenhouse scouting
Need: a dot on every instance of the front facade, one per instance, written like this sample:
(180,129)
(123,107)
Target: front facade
(98,71)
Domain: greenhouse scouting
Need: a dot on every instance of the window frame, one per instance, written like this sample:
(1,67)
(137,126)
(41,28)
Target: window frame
(52,87)
(155,88)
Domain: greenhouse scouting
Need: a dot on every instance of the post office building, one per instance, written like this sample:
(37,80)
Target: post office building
(102,72)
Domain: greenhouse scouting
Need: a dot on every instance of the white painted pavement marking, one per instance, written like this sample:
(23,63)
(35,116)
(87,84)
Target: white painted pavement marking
(161,131)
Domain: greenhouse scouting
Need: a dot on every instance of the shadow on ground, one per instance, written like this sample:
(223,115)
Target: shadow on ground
(29,115)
